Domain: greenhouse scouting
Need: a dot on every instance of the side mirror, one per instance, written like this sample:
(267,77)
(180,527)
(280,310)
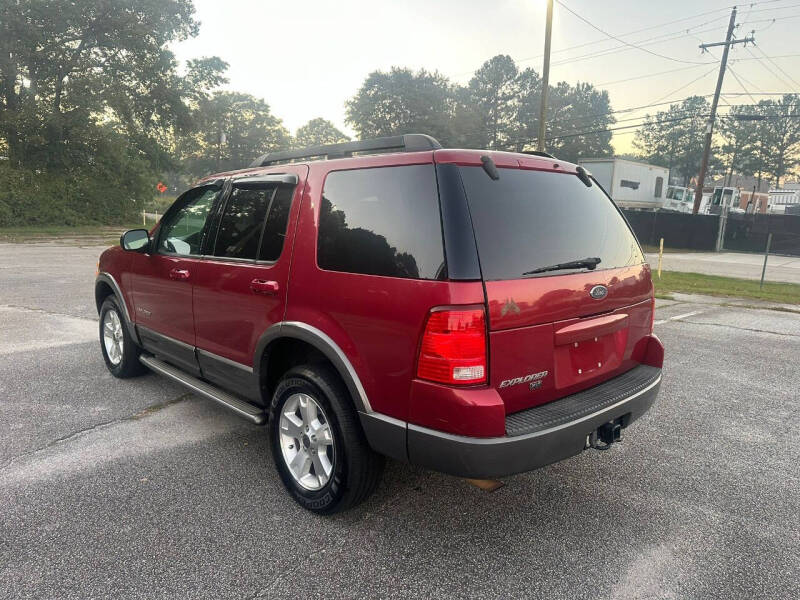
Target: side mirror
(135,240)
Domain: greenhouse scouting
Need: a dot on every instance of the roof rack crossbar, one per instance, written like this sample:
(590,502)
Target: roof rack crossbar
(410,142)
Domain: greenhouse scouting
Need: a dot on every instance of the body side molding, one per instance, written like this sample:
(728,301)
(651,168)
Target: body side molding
(322,342)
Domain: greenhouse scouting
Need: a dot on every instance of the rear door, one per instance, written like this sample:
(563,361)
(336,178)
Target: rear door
(555,330)
(240,285)
(161,282)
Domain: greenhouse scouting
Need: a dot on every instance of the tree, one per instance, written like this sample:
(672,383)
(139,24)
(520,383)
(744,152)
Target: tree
(674,138)
(739,148)
(402,101)
(780,131)
(492,93)
(64,64)
(579,118)
(318,132)
(232,130)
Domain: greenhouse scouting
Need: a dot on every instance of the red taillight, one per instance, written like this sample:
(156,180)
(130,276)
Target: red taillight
(652,313)
(453,348)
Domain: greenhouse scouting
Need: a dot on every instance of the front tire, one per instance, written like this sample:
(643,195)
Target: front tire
(120,352)
(317,443)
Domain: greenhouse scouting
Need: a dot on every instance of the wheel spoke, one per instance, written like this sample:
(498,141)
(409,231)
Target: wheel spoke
(322,467)
(291,425)
(300,465)
(308,408)
(324,437)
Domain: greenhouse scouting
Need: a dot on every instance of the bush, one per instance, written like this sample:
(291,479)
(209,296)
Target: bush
(111,190)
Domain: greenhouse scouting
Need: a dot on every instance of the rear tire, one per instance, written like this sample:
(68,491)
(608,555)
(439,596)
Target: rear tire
(120,352)
(318,446)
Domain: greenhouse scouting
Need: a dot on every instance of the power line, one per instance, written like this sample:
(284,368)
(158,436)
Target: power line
(774,64)
(646,76)
(593,26)
(626,47)
(675,91)
(768,68)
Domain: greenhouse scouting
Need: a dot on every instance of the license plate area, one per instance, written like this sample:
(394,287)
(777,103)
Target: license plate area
(583,359)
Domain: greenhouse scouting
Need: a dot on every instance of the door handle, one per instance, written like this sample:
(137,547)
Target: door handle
(179,274)
(262,286)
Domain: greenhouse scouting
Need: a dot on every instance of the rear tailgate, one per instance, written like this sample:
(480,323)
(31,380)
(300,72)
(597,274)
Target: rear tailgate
(556,331)
(549,338)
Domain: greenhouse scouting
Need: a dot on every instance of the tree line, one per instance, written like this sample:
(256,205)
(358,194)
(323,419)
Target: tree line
(95,110)
(760,139)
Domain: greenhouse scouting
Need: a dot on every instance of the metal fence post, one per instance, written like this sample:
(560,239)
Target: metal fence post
(766,255)
(723,217)
(660,255)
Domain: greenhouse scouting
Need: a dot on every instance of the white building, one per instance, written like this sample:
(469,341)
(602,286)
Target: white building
(630,184)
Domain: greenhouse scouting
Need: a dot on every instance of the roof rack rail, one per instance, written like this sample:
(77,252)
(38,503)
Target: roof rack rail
(538,153)
(410,142)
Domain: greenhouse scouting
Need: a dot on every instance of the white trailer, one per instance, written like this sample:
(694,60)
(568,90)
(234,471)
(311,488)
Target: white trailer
(630,184)
(784,200)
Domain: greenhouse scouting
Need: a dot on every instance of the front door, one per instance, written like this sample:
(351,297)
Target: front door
(162,280)
(240,287)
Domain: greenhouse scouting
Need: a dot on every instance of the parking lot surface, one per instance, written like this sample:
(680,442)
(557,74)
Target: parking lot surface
(136,489)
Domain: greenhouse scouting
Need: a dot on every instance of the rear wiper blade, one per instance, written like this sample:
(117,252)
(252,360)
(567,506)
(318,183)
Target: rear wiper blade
(588,263)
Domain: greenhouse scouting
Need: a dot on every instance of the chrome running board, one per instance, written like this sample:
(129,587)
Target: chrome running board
(252,413)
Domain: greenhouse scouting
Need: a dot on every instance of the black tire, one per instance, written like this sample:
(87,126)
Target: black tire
(357,468)
(128,365)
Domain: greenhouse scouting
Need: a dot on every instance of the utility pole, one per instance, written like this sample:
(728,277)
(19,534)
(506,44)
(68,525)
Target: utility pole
(545,76)
(698,193)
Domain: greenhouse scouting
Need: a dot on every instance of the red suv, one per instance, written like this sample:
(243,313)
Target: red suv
(478,313)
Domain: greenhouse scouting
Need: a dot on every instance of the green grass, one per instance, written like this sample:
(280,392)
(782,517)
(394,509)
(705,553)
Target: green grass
(713,285)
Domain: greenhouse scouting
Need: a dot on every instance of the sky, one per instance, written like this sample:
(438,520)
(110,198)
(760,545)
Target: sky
(307,58)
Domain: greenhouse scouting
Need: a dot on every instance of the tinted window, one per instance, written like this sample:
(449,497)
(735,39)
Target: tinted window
(275,228)
(532,219)
(382,221)
(182,231)
(242,221)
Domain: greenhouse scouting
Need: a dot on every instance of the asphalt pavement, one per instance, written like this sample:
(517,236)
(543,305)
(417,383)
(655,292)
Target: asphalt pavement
(135,489)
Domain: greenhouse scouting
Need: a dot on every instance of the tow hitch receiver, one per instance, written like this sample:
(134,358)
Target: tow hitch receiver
(607,434)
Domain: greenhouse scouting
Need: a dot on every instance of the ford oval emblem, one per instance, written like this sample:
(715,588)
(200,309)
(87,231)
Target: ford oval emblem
(598,292)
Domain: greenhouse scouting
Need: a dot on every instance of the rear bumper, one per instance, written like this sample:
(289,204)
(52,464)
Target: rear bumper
(535,438)
(500,456)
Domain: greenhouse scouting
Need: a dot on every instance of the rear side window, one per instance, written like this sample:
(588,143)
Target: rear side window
(529,220)
(382,221)
(253,223)
(239,231)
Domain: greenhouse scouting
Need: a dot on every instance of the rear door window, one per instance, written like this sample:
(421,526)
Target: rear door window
(253,222)
(529,220)
(382,221)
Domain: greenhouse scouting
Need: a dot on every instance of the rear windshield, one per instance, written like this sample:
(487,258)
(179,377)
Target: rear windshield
(529,220)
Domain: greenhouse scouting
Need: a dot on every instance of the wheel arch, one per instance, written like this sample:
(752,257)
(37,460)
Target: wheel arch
(320,342)
(105,285)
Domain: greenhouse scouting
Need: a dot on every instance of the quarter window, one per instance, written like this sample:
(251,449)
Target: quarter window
(275,227)
(382,221)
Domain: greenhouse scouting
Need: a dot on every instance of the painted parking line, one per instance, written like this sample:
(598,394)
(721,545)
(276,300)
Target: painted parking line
(678,317)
